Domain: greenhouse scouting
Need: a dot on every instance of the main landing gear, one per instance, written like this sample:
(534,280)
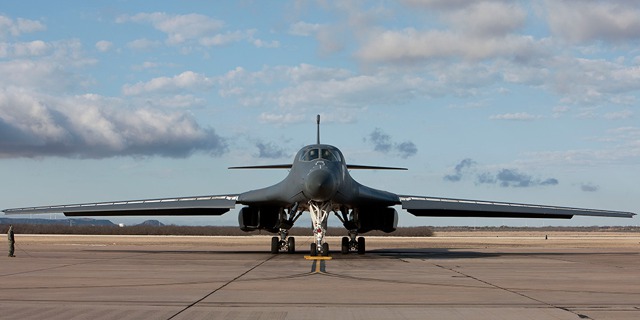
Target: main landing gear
(284,242)
(319,212)
(350,221)
(351,244)
(288,245)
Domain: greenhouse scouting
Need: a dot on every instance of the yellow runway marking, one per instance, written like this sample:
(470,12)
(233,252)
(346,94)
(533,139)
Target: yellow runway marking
(319,263)
(317,258)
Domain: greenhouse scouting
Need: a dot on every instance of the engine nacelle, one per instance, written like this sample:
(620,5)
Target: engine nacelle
(383,219)
(259,218)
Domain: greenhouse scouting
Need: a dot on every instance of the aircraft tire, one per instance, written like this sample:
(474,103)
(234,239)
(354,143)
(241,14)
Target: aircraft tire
(345,245)
(313,251)
(325,249)
(275,244)
(291,244)
(361,245)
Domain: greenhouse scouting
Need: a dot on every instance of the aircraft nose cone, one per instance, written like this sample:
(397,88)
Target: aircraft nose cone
(320,185)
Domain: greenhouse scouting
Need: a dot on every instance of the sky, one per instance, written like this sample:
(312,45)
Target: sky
(518,101)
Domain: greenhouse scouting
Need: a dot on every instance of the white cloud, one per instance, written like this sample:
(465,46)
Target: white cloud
(488,19)
(593,81)
(519,116)
(187,80)
(145,65)
(440,4)
(94,126)
(103,45)
(472,30)
(619,115)
(25,49)
(622,147)
(336,115)
(304,29)
(280,119)
(48,74)
(19,26)
(225,38)
(306,72)
(258,43)
(355,91)
(179,28)
(39,67)
(180,101)
(584,21)
(20,110)
(305,85)
(411,45)
(558,111)
(143,44)
(192,28)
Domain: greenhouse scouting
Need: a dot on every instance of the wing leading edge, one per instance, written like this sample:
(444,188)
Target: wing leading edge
(289,166)
(444,207)
(189,206)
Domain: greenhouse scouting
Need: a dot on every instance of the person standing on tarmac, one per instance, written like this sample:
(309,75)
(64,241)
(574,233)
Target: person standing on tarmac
(12,241)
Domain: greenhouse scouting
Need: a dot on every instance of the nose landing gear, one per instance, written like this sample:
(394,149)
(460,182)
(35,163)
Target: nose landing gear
(319,212)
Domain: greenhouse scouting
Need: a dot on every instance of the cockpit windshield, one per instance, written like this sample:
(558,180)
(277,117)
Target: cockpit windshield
(324,154)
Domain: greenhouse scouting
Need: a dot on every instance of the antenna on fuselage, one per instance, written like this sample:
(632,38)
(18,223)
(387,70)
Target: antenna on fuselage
(318,122)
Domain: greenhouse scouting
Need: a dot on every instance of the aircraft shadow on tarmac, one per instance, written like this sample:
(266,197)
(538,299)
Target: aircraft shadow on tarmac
(409,253)
(435,253)
(430,253)
(395,253)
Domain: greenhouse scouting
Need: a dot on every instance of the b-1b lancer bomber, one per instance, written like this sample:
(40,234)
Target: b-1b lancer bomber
(318,182)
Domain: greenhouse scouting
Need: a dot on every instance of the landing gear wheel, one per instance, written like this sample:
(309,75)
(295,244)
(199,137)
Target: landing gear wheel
(275,245)
(325,249)
(291,245)
(314,250)
(361,245)
(345,245)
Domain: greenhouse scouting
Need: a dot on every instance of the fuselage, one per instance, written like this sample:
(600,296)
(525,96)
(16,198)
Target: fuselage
(319,173)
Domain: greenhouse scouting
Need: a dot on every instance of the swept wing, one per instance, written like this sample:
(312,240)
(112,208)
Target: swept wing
(289,166)
(446,207)
(201,205)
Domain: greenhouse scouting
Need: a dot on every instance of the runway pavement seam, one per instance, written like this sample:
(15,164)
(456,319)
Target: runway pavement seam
(114,286)
(221,287)
(387,283)
(581,316)
(383,305)
(592,263)
(67,265)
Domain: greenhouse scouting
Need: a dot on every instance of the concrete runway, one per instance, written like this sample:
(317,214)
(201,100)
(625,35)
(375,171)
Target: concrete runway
(83,277)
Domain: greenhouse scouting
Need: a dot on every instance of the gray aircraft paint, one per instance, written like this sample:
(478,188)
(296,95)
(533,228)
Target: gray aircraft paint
(319,183)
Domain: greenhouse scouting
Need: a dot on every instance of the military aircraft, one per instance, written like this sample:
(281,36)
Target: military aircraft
(318,182)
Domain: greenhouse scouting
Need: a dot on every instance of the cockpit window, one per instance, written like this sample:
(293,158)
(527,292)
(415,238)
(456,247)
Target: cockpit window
(312,155)
(325,154)
(328,155)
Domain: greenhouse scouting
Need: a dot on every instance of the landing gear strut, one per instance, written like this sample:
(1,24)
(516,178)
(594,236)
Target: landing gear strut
(319,214)
(350,243)
(350,221)
(284,242)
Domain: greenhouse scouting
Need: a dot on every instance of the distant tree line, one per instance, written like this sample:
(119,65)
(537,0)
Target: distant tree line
(190,230)
(235,231)
(548,228)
